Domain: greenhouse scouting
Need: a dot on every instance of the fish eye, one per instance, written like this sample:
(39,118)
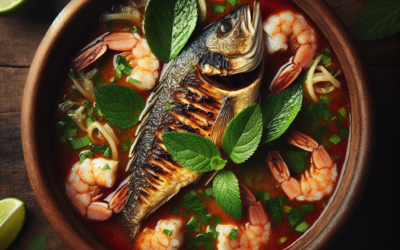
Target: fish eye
(225,27)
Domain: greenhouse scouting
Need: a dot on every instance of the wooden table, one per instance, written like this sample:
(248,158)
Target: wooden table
(378,211)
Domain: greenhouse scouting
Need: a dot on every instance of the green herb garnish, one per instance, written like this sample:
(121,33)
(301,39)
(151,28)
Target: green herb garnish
(335,139)
(274,207)
(295,217)
(106,167)
(217,163)
(296,161)
(306,208)
(279,111)
(282,240)
(121,106)
(174,210)
(85,154)
(211,230)
(38,243)
(112,80)
(243,134)
(168,106)
(342,113)
(125,145)
(133,80)
(193,225)
(378,20)
(302,227)
(227,194)
(218,8)
(77,143)
(167,232)
(74,74)
(233,234)
(173,19)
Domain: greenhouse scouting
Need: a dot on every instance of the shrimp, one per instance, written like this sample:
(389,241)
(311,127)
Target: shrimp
(159,240)
(85,185)
(290,28)
(255,234)
(316,182)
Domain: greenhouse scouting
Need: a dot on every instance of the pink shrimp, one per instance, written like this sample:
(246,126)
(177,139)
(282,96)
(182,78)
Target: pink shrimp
(255,234)
(316,182)
(289,28)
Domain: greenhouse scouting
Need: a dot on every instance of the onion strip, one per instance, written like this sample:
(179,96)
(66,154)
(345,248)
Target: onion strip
(330,77)
(111,131)
(108,137)
(135,17)
(81,90)
(310,74)
(326,90)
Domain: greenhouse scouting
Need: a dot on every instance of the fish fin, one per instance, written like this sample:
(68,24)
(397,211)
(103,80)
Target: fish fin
(224,117)
(161,203)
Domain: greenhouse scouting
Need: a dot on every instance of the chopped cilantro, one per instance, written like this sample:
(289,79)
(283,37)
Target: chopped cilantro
(123,67)
(342,113)
(191,67)
(90,120)
(311,63)
(217,220)
(125,145)
(107,153)
(335,156)
(233,234)
(70,132)
(77,143)
(282,240)
(277,187)
(286,209)
(296,161)
(324,99)
(118,131)
(133,80)
(219,8)
(193,225)
(295,216)
(85,154)
(74,74)
(112,80)
(302,227)
(335,139)
(211,230)
(167,232)
(168,106)
(306,208)
(274,207)
(326,60)
(209,192)
(135,29)
(106,167)
(174,210)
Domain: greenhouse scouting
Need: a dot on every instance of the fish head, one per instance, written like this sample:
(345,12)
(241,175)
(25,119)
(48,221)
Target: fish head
(235,43)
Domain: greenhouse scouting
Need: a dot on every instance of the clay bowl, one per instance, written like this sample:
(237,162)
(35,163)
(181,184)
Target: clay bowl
(35,124)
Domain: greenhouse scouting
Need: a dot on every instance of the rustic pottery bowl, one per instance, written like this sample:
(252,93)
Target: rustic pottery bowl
(35,124)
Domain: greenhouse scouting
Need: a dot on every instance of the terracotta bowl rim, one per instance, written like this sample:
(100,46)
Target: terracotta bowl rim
(46,64)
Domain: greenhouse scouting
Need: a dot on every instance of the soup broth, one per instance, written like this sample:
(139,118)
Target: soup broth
(326,121)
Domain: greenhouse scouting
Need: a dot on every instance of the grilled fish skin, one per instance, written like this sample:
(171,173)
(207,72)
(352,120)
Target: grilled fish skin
(199,104)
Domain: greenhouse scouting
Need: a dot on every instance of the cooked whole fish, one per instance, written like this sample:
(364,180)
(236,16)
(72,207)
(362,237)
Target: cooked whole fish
(200,104)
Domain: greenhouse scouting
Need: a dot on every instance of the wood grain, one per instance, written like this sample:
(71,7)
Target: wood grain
(21,36)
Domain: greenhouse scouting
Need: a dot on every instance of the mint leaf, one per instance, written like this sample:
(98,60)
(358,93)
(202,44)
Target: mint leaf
(38,243)
(218,8)
(120,105)
(191,151)
(243,134)
(302,227)
(211,230)
(217,163)
(279,111)
(378,20)
(168,25)
(295,217)
(227,194)
(232,2)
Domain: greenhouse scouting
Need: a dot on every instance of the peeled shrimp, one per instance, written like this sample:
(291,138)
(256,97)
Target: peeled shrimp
(285,30)
(85,184)
(158,240)
(314,183)
(254,235)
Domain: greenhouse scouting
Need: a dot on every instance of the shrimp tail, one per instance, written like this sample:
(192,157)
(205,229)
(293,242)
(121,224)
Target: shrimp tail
(257,215)
(246,195)
(88,55)
(285,76)
(300,140)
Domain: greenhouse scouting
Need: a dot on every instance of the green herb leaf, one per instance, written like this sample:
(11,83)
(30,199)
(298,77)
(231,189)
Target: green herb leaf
(311,63)
(85,154)
(74,74)
(282,240)
(106,167)
(191,151)
(295,217)
(193,225)
(219,8)
(209,192)
(133,80)
(217,163)
(174,210)
(168,106)
(342,113)
(112,80)
(120,105)
(243,134)
(335,139)
(77,143)
(168,25)
(211,230)
(302,227)
(378,20)
(227,195)
(98,80)
(274,207)
(125,145)
(335,156)
(123,68)
(233,234)
(279,111)
(167,232)
(295,161)
(306,208)
(38,243)
(232,2)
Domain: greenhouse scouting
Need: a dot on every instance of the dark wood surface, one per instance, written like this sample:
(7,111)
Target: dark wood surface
(369,227)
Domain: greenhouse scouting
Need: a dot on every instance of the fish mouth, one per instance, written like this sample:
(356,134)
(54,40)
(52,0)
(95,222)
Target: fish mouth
(252,57)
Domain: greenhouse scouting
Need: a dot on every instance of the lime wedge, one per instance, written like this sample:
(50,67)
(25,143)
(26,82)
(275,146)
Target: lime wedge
(16,7)
(12,217)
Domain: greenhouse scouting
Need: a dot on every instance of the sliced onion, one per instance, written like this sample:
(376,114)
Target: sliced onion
(111,131)
(309,82)
(107,135)
(326,90)
(134,17)
(80,89)
(330,77)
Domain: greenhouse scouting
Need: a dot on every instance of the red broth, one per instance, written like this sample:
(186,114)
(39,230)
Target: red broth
(254,172)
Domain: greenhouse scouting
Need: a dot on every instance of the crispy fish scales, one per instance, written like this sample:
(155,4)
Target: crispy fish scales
(188,99)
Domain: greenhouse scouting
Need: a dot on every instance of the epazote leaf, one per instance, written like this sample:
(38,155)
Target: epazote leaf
(378,20)
(227,194)
(279,111)
(168,25)
(191,151)
(120,105)
(243,134)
